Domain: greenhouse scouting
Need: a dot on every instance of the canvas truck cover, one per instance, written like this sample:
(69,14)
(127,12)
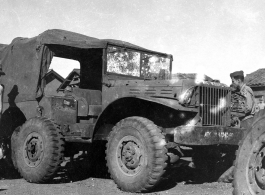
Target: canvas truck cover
(26,60)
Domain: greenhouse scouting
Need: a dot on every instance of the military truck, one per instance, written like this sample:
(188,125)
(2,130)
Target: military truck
(126,97)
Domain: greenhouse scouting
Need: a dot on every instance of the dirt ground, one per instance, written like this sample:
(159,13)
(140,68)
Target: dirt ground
(104,186)
(80,177)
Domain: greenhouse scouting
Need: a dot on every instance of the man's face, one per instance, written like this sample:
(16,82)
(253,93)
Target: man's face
(235,82)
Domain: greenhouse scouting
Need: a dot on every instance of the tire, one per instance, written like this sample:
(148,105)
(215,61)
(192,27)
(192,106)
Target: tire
(39,150)
(249,164)
(14,146)
(136,154)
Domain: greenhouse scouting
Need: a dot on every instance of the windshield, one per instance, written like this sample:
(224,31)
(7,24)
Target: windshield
(139,64)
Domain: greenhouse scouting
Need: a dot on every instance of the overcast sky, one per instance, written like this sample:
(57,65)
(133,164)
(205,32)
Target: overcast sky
(211,37)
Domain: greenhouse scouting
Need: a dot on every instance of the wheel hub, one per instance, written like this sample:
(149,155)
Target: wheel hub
(130,155)
(33,149)
(256,173)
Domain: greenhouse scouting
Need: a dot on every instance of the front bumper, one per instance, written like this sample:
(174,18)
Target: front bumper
(206,135)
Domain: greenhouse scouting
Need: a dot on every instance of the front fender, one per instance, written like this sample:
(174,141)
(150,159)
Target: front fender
(130,102)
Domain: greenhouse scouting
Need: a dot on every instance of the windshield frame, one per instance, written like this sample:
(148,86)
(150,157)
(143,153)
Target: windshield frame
(105,61)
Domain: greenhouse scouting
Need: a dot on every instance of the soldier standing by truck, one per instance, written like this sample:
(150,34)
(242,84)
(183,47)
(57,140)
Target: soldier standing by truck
(238,82)
(239,86)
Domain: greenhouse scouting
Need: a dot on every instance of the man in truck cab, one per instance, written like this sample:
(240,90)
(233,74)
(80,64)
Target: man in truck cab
(238,83)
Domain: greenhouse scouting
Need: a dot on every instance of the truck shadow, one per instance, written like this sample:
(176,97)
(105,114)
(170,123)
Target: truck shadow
(83,164)
(81,167)
(7,170)
(175,174)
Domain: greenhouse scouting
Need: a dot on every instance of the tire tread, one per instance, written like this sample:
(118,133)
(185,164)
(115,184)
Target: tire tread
(55,149)
(154,136)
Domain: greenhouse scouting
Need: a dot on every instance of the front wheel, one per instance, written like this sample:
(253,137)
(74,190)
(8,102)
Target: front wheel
(136,154)
(39,148)
(249,174)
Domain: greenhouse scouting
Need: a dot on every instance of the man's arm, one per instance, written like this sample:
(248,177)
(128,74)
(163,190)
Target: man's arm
(249,99)
(249,102)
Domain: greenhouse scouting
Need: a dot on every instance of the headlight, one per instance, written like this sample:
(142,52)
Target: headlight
(185,97)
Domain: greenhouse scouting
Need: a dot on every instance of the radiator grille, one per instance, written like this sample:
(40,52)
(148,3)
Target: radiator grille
(215,105)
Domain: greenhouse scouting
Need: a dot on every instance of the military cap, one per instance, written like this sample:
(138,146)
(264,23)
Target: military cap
(237,73)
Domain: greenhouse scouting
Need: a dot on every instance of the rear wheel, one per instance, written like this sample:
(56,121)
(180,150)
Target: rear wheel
(39,148)
(136,154)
